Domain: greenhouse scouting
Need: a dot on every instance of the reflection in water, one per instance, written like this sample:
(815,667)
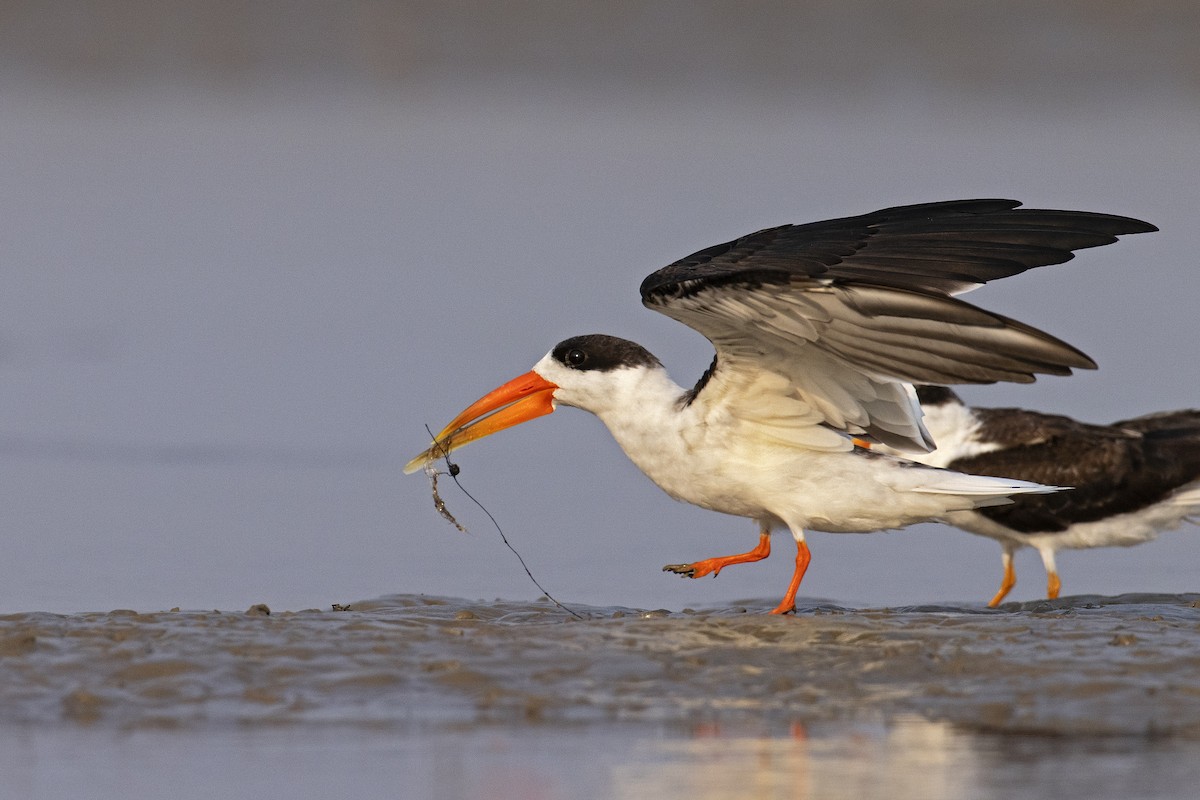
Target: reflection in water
(908,758)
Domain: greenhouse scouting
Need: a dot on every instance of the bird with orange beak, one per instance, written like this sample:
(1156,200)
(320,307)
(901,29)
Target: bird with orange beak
(820,330)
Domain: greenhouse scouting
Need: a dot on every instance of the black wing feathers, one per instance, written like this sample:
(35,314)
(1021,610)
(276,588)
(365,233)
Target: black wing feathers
(1115,468)
(938,247)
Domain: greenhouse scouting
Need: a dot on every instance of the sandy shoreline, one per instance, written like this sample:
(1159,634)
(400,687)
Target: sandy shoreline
(1085,665)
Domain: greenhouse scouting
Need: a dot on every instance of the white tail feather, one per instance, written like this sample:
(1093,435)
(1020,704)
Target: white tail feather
(1187,496)
(985,486)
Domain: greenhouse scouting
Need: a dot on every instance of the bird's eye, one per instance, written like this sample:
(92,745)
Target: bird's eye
(576,357)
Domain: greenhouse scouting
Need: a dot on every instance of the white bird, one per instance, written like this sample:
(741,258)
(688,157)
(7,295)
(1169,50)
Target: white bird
(820,330)
(1132,479)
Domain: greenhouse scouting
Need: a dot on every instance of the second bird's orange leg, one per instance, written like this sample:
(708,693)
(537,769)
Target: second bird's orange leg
(712,566)
(1007,583)
(1053,585)
(788,604)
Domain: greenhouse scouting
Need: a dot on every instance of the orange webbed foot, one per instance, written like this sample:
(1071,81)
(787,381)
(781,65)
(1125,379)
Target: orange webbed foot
(713,566)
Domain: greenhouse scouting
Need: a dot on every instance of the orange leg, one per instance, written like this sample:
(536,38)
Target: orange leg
(1007,583)
(714,565)
(788,604)
(1053,584)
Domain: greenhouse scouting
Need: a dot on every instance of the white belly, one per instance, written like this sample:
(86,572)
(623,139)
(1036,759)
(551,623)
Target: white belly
(841,492)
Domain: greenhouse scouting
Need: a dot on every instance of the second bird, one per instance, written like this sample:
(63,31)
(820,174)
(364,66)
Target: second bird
(1131,479)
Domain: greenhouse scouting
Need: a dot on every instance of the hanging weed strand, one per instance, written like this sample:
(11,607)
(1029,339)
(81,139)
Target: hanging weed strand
(453,470)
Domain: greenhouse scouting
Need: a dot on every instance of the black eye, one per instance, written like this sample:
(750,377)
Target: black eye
(576,357)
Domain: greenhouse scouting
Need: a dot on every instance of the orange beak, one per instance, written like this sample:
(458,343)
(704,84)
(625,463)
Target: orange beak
(520,400)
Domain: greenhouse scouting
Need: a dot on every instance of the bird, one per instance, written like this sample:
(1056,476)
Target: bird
(820,331)
(1131,480)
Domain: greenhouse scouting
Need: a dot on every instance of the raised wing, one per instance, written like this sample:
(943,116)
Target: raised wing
(850,311)
(946,247)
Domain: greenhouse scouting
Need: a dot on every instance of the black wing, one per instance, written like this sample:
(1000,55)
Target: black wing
(945,247)
(848,311)
(1114,469)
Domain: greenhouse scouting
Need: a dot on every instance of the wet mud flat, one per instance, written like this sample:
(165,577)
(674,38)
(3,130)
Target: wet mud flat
(1108,666)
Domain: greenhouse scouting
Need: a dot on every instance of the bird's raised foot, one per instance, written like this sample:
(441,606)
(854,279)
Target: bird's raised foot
(709,566)
(713,566)
(683,570)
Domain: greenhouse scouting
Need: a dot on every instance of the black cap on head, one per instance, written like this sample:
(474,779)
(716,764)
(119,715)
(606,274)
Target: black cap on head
(936,396)
(601,352)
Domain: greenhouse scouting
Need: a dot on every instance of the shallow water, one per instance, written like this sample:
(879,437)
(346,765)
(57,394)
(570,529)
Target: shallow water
(457,698)
(909,758)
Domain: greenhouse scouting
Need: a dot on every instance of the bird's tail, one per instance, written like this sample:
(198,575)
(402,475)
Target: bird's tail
(983,490)
(1187,497)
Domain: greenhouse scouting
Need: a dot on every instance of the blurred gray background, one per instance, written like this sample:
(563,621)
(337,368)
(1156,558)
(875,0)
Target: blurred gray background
(250,249)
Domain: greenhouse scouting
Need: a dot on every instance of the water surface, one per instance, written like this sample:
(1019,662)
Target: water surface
(455,698)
